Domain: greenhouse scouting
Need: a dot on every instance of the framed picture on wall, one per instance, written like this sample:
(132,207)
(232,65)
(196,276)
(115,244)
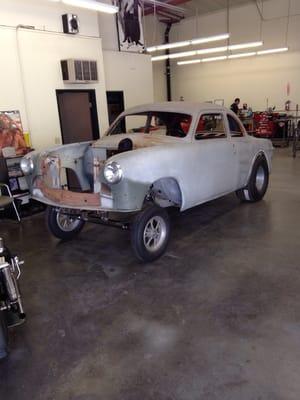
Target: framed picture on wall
(11,132)
(130,26)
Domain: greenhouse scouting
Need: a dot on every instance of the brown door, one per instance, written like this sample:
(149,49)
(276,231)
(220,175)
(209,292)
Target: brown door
(78,121)
(115,104)
(78,115)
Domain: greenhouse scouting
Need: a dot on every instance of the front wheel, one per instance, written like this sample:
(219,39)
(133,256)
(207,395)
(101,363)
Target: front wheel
(258,182)
(61,225)
(150,232)
(3,336)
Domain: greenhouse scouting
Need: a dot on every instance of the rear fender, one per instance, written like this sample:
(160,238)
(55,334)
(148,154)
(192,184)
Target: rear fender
(259,154)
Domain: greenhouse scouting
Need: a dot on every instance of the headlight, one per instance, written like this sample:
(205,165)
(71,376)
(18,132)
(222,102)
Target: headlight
(113,172)
(26,165)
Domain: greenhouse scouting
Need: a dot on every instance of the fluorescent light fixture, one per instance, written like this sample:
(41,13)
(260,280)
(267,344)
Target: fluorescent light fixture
(188,42)
(93,5)
(215,38)
(183,54)
(244,45)
(168,46)
(214,59)
(159,58)
(241,55)
(270,51)
(233,56)
(213,50)
(206,51)
(174,55)
(200,60)
(189,62)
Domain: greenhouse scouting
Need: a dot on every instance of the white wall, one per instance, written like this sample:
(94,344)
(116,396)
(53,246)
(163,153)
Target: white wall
(11,93)
(40,55)
(37,67)
(125,71)
(44,14)
(154,34)
(244,24)
(108,31)
(159,81)
(131,73)
(252,79)
(257,82)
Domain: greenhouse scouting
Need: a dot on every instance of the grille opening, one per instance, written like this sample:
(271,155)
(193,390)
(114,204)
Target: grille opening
(72,181)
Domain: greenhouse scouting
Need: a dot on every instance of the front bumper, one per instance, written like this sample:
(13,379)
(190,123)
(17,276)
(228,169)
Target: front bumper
(47,188)
(48,185)
(64,198)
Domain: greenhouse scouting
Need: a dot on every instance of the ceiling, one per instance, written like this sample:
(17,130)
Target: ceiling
(188,8)
(208,6)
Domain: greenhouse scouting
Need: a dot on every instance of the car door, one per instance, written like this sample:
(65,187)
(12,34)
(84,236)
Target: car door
(214,160)
(242,148)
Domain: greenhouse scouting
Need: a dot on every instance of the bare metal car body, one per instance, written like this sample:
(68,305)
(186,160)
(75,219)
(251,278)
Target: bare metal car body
(174,171)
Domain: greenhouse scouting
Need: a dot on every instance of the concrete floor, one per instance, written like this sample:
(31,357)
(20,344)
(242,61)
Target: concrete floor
(217,317)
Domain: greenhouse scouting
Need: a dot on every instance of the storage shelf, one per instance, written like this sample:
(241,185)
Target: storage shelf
(12,175)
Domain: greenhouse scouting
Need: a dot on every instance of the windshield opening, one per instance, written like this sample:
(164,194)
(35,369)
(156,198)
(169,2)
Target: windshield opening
(154,122)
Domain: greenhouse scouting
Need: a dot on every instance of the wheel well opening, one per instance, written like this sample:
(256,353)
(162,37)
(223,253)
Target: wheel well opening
(263,156)
(166,192)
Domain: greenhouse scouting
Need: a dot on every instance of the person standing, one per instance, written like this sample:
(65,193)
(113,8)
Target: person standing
(235,106)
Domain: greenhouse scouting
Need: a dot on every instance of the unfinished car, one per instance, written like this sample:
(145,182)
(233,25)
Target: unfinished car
(153,157)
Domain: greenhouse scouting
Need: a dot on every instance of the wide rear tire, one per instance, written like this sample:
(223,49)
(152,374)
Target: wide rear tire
(61,225)
(258,182)
(150,233)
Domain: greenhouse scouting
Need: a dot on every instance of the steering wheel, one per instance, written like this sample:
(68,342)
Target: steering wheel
(176,132)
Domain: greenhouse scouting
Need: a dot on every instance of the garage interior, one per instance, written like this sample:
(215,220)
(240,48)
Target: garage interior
(216,316)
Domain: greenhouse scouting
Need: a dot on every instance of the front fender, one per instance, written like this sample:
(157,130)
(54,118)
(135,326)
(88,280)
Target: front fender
(129,194)
(141,168)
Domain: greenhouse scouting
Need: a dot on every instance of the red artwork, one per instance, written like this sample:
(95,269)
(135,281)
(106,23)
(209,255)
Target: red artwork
(11,132)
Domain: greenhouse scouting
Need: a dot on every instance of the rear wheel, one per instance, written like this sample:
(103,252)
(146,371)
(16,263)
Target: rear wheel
(150,232)
(258,182)
(61,225)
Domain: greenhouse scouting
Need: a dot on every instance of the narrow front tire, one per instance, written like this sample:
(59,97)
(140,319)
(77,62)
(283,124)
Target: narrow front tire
(150,233)
(62,225)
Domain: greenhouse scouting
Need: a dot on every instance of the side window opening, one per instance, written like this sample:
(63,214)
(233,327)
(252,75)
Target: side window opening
(154,122)
(234,127)
(210,126)
(170,124)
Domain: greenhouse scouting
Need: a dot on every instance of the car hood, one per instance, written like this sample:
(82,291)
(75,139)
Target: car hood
(139,140)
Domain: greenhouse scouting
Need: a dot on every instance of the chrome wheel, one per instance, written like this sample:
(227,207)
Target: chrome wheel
(260,178)
(155,233)
(67,223)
